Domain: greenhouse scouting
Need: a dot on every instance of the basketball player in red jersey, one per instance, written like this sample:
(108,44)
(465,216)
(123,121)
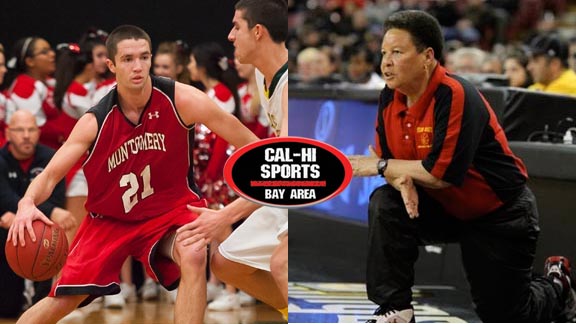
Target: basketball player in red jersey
(139,178)
(255,256)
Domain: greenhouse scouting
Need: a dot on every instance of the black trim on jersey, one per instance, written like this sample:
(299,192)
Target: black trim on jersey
(165,85)
(275,80)
(168,86)
(386,97)
(498,169)
(191,181)
(475,118)
(443,99)
(101,110)
(476,145)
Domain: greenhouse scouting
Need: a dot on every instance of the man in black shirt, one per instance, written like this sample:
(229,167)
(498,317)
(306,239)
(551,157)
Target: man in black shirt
(21,160)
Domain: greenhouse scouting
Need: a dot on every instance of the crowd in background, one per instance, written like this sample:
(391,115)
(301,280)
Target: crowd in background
(338,41)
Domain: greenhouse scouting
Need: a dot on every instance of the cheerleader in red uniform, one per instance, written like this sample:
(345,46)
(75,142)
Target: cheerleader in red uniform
(210,66)
(75,87)
(32,64)
(253,114)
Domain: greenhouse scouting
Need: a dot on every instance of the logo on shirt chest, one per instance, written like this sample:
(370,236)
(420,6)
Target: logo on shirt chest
(423,137)
(155,114)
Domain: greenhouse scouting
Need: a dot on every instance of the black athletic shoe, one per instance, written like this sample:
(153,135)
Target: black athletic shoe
(557,268)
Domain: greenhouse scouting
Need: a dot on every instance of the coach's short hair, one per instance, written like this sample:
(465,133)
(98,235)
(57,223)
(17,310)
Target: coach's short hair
(272,14)
(423,28)
(121,33)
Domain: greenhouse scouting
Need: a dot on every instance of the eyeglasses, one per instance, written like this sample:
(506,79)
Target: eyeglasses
(20,130)
(44,51)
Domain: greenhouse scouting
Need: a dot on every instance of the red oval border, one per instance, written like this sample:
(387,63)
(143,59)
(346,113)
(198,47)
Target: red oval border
(287,139)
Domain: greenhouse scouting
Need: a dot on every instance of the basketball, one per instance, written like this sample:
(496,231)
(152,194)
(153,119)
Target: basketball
(40,260)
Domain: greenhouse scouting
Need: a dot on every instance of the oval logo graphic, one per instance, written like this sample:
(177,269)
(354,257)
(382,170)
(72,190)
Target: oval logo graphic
(288,171)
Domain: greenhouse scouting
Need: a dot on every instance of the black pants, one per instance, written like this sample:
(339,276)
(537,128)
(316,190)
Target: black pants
(11,285)
(497,254)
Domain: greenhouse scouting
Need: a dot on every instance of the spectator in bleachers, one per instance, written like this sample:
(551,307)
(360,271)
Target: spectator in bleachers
(489,21)
(492,64)
(253,113)
(360,70)
(21,160)
(32,65)
(307,66)
(468,60)
(548,65)
(171,59)
(314,66)
(455,26)
(75,85)
(105,80)
(515,69)
(94,40)
(572,54)
(378,10)
(448,57)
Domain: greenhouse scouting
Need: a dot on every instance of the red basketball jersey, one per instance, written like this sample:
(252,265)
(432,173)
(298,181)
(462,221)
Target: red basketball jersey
(136,172)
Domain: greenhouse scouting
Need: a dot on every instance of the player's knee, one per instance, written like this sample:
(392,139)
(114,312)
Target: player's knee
(190,257)
(219,267)
(65,304)
(385,200)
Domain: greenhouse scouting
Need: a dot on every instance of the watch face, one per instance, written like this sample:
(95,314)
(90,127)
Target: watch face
(381,166)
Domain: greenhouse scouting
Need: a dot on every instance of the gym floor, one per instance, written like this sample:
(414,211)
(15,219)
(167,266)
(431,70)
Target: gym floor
(160,312)
(322,302)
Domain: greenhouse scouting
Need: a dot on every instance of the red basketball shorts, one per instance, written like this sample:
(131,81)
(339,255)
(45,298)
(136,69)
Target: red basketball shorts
(102,245)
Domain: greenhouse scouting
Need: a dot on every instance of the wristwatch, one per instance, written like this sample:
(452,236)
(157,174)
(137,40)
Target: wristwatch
(382,164)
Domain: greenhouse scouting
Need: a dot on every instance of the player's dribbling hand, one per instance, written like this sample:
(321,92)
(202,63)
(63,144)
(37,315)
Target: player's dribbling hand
(27,212)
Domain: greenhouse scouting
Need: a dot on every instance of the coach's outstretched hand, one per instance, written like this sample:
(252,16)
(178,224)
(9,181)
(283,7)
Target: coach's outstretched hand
(209,225)
(27,212)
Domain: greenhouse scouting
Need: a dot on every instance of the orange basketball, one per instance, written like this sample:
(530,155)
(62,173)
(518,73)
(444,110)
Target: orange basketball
(40,260)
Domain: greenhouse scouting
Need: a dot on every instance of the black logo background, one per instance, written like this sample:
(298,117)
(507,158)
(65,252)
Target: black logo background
(247,169)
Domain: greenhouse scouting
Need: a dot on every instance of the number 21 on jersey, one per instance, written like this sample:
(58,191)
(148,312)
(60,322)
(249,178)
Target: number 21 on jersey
(130,180)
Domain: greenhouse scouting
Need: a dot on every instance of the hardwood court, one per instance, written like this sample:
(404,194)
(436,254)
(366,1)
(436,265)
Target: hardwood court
(341,302)
(160,312)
